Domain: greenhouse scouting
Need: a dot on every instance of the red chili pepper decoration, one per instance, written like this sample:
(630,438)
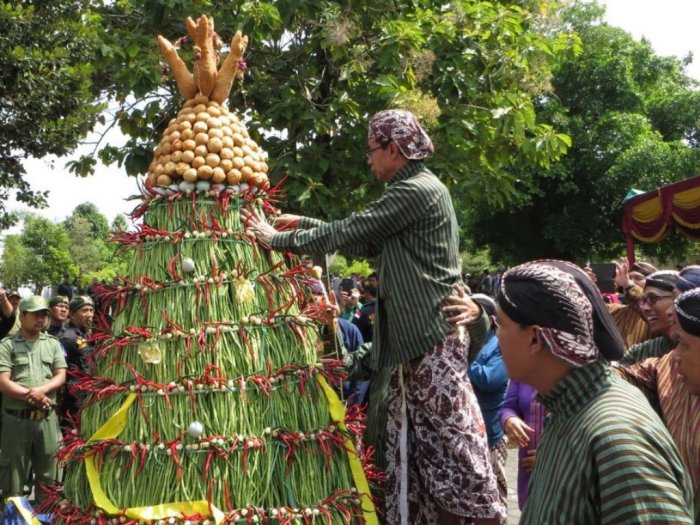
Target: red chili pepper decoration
(171,267)
(227,496)
(244,336)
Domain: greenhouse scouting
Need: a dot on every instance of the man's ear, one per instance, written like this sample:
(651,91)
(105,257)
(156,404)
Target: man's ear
(393,148)
(537,344)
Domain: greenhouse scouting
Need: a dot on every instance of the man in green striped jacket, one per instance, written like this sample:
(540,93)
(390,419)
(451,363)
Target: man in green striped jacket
(412,230)
(604,457)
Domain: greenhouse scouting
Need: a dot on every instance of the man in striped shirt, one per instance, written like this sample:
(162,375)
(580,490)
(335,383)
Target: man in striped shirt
(604,455)
(673,381)
(687,357)
(659,292)
(412,229)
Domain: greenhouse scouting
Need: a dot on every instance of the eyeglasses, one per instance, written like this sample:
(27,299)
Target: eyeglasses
(652,299)
(370,152)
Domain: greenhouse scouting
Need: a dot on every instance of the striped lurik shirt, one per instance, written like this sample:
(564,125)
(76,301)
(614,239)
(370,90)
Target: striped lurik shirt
(605,457)
(652,348)
(413,230)
(629,321)
(680,409)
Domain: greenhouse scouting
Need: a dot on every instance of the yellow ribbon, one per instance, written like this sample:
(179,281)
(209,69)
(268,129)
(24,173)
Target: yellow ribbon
(111,429)
(358,473)
(26,515)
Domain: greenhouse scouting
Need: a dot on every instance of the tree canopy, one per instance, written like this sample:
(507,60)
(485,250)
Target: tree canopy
(316,71)
(633,118)
(47,99)
(45,257)
(44,251)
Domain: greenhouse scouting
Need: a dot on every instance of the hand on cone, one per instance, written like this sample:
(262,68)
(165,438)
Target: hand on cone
(255,223)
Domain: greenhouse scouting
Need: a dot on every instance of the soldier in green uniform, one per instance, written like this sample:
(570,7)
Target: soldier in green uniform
(32,369)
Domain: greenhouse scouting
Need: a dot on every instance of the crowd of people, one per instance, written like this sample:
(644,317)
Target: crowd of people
(599,392)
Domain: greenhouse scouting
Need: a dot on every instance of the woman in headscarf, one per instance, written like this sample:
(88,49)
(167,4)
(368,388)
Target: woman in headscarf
(604,456)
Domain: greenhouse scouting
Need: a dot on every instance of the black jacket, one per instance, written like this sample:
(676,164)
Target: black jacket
(74,341)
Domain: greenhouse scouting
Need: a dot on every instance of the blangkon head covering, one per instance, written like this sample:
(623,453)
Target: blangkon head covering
(561,299)
(688,278)
(401,127)
(687,307)
(663,280)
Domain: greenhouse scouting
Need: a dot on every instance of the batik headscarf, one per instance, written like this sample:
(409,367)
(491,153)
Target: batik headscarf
(687,307)
(663,280)
(688,278)
(562,300)
(402,128)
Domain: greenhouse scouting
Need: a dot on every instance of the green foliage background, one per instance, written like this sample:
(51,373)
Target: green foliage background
(633,117)
(48,101)
(44,251)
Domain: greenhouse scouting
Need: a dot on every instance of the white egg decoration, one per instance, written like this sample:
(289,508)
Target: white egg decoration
(187,265)
(195,430)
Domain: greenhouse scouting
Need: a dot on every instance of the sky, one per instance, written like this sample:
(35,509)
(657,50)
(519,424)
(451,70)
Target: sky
(670,26)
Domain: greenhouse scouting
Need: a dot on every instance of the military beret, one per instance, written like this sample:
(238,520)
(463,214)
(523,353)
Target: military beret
(79,301)
(58,299)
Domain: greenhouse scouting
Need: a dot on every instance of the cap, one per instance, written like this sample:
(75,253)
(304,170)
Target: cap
(58,299)
(35,303)
(13,293)
(80,301)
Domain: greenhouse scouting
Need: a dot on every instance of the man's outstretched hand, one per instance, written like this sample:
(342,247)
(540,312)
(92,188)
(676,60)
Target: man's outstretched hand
(255,223)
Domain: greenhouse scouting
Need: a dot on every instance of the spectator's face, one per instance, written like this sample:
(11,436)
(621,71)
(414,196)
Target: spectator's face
(687,358)
(654,306)
(14,301)
(33,322)
(372,281)
(59,313)
(637,278)
(83,318)
(516,343)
